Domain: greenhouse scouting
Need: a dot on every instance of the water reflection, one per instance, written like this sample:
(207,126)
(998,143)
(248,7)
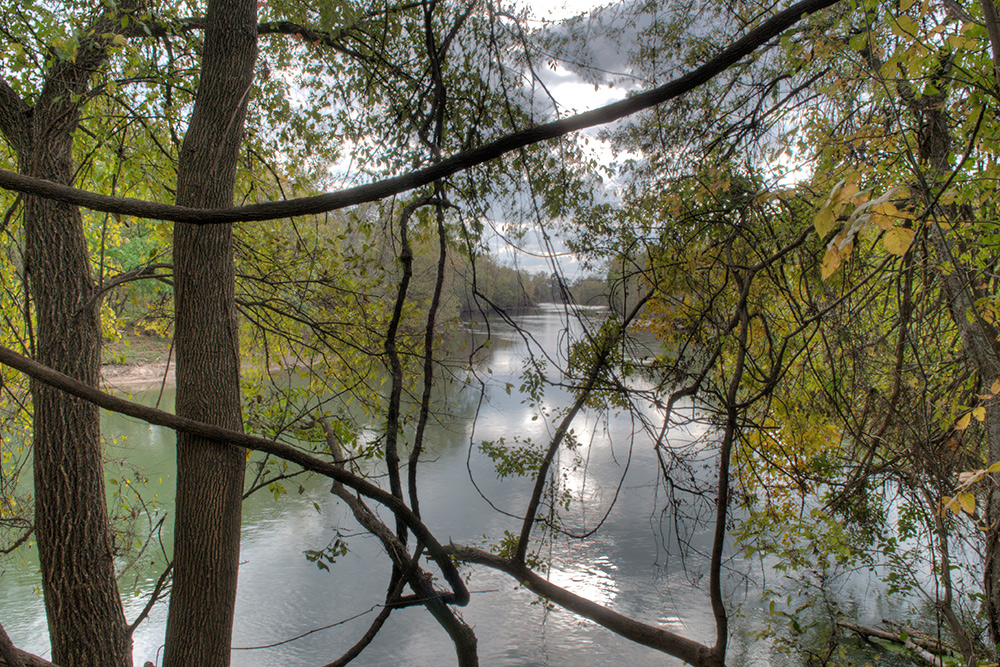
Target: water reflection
(612,476)
(593,579)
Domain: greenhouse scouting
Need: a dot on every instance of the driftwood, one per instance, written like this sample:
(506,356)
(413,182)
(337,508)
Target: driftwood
(919,646)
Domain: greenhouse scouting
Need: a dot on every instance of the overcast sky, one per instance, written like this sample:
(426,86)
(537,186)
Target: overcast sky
(573,95)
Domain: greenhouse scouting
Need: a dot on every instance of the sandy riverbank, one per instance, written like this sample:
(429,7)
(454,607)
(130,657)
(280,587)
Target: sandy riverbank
(132,377)
(136,376)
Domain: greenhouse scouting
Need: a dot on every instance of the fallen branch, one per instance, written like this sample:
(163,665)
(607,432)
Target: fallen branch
(912,643)
(652,636)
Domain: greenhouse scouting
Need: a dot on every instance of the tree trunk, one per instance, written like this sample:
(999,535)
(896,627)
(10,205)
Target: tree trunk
(979,337)
(86,622)
(85,618)
(978,342)
(209,474)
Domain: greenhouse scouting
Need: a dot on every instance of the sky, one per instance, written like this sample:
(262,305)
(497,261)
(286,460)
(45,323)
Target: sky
(558,9)
(572,94)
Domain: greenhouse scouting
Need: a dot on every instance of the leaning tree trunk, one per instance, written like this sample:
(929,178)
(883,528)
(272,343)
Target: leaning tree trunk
(209,474)
(979,337)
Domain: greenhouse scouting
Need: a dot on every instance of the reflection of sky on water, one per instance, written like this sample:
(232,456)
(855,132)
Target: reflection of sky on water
(593,578)
(631,564)
(282,595)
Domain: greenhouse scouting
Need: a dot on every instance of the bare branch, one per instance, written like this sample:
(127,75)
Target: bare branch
(648,635)
(459,162)
(459,594)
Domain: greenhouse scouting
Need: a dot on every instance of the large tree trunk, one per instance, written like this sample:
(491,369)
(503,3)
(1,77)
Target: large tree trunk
(979,337)
(86,623)
(979,344)
(209,474)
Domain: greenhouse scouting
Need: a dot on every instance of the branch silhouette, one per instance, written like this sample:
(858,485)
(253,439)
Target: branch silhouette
(388,187)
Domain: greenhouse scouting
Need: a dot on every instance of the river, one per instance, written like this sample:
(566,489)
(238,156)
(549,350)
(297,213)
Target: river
(291,612)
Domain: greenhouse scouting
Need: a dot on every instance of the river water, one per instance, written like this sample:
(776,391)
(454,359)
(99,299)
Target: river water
(291,612)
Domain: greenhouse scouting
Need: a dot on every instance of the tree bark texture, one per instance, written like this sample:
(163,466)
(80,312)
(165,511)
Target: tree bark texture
(209,473)
(85,618)
(86,622)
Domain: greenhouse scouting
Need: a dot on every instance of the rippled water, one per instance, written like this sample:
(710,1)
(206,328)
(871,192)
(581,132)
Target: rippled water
(628,565)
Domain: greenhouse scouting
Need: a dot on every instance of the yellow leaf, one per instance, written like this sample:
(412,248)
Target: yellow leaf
(824,221)
(883,215)
(904,5)
(845,192)
(963,423)
(968,502)
(831,262)
(995,389)
(898,239)
(994,468)
(979,413)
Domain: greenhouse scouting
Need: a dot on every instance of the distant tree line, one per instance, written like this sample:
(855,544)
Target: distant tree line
(489,283)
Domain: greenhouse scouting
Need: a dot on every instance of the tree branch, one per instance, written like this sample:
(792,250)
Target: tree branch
(641,633)
(14,657)
(41,373)
(464,160)
(14,118)
(7,651)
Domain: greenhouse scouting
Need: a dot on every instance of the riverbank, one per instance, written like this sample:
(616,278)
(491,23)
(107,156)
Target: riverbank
(137,376)
(137,360)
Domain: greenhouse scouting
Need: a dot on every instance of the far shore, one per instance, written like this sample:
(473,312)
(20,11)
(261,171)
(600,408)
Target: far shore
(137,376)
(150,375)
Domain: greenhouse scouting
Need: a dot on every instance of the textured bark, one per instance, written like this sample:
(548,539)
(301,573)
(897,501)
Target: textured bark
(26,660)
(84,612)
(209,473)
(978,342)
(86,622)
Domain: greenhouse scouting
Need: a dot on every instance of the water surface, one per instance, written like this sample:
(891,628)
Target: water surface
(631,564)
